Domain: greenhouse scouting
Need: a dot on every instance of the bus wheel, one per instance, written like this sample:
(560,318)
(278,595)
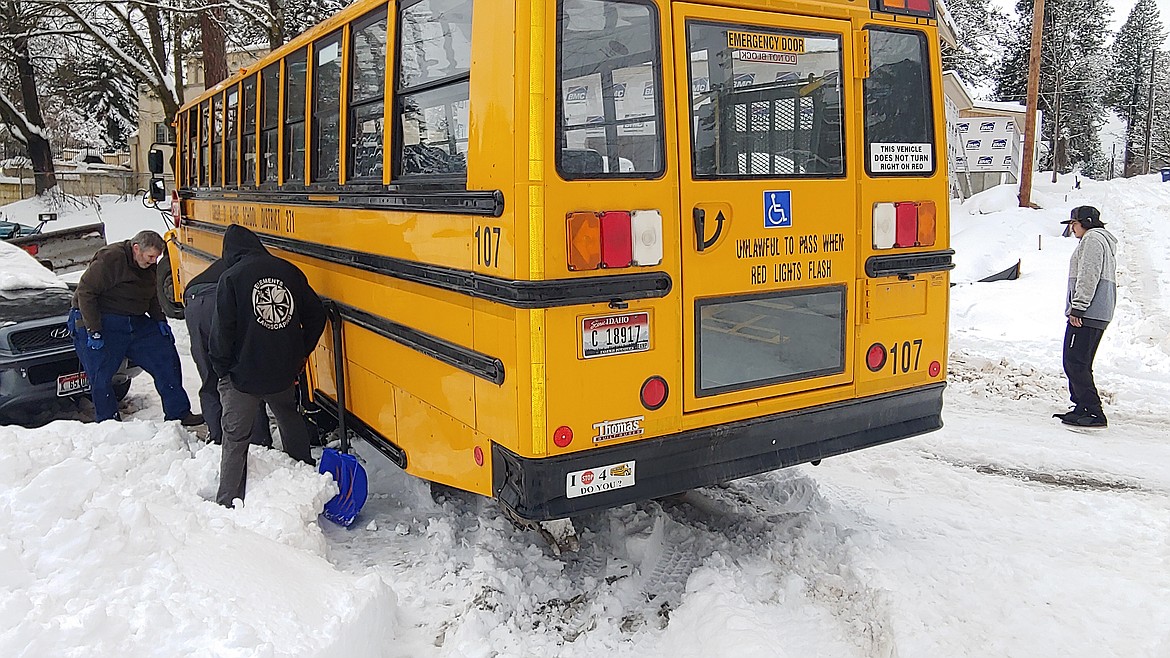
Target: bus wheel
(166,289)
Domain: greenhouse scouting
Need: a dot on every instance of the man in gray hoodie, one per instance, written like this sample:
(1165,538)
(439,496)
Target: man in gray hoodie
(1092,296)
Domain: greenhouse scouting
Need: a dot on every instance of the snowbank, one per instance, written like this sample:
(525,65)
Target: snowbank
(20,270)
(111,544)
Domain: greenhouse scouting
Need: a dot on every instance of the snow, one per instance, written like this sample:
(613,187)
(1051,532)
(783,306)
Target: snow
(1003,534)
(20,270)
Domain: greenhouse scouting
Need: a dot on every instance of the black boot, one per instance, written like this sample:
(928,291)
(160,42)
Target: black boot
(1092,419)
(1071,416)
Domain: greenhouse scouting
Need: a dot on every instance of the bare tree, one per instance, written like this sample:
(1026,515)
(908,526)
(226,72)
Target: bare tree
(22,115)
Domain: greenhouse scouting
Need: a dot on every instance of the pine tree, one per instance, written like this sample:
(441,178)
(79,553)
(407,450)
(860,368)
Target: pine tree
(1072,64)
(981,30)
(1128,86)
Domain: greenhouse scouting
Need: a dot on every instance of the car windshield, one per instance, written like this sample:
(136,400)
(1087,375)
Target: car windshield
(20,271)
(10,230)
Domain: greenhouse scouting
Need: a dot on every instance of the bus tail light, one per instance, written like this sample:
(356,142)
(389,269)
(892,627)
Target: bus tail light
(647,229)
(923,8)
(906,233)
(614,239)
(875,357)
(884,222)
(904,224)
(584,241)
(654,392)
(926,224)
(617,239)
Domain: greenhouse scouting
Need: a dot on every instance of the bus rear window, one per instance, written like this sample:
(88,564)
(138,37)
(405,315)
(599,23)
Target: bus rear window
(899,126)
(609,118)
(765,103)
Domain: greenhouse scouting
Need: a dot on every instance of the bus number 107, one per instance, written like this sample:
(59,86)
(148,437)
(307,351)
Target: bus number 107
(487,246)
(904,356)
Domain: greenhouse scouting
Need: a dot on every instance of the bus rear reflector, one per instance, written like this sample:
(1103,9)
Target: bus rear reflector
(584,241)
(32,249)
(563,437)
(617,239)
(875,357)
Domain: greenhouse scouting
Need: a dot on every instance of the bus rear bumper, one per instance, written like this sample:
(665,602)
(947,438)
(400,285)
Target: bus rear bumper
(535,489)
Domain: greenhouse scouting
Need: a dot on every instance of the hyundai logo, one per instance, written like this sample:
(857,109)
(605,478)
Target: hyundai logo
(60,333)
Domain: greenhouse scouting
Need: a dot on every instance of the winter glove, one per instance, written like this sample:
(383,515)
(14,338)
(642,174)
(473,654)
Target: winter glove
(165,329)
(94,340)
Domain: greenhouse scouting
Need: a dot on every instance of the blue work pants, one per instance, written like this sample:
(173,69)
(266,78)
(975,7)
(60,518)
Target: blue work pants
(139,338)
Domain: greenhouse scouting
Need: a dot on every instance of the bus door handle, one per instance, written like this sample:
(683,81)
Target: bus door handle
(700,217)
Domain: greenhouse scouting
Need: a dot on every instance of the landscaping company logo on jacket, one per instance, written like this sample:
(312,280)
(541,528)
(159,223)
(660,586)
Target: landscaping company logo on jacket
(272,303)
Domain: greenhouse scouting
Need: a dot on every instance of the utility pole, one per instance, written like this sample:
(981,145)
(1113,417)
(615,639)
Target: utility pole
(1150,109)
(1032,104)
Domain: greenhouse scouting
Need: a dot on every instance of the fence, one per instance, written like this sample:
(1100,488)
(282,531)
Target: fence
(18,183)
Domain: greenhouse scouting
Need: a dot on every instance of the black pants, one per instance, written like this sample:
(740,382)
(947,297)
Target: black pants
(199,307)
(237,419)
(1080,347)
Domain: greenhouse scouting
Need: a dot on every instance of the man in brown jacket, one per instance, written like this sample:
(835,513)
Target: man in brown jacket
(116,314)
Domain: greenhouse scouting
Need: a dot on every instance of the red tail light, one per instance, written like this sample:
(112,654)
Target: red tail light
(875,357)
(617,245)
(906,233)
(654,392)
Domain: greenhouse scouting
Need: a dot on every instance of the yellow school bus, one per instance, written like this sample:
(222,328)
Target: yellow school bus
(587,252)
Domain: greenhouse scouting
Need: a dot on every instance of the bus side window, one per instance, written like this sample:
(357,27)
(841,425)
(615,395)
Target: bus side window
(366,98)
(204,137)
(248,131)
(230,141)
(217,140)
(609,72)
(326,108)
(433,90)
(269,122)
(295,72)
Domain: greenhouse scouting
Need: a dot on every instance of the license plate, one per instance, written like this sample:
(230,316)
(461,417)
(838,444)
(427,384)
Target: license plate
(615,334)
(72,383)
(597,480)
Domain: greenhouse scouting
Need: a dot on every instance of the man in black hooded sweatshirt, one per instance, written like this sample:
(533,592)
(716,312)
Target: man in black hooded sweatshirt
(267,322)
(199,309)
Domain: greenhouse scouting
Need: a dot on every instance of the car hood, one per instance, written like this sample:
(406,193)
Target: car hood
(25,304)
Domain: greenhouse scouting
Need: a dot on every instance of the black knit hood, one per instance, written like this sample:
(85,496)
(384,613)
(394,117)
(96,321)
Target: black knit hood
(239,242)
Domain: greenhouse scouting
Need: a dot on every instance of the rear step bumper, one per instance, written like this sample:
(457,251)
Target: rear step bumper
(535,488)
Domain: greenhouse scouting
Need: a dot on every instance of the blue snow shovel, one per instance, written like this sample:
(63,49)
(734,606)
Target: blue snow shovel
(349,475)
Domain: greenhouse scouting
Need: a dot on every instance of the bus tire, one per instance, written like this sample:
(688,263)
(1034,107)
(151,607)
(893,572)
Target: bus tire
(166,289)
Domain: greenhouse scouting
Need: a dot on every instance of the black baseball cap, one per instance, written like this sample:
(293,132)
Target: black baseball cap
(1088,216)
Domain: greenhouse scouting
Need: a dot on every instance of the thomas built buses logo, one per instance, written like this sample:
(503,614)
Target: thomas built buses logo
(608,430)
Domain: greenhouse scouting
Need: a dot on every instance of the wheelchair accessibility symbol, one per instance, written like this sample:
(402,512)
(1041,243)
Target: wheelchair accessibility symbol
(777,209)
